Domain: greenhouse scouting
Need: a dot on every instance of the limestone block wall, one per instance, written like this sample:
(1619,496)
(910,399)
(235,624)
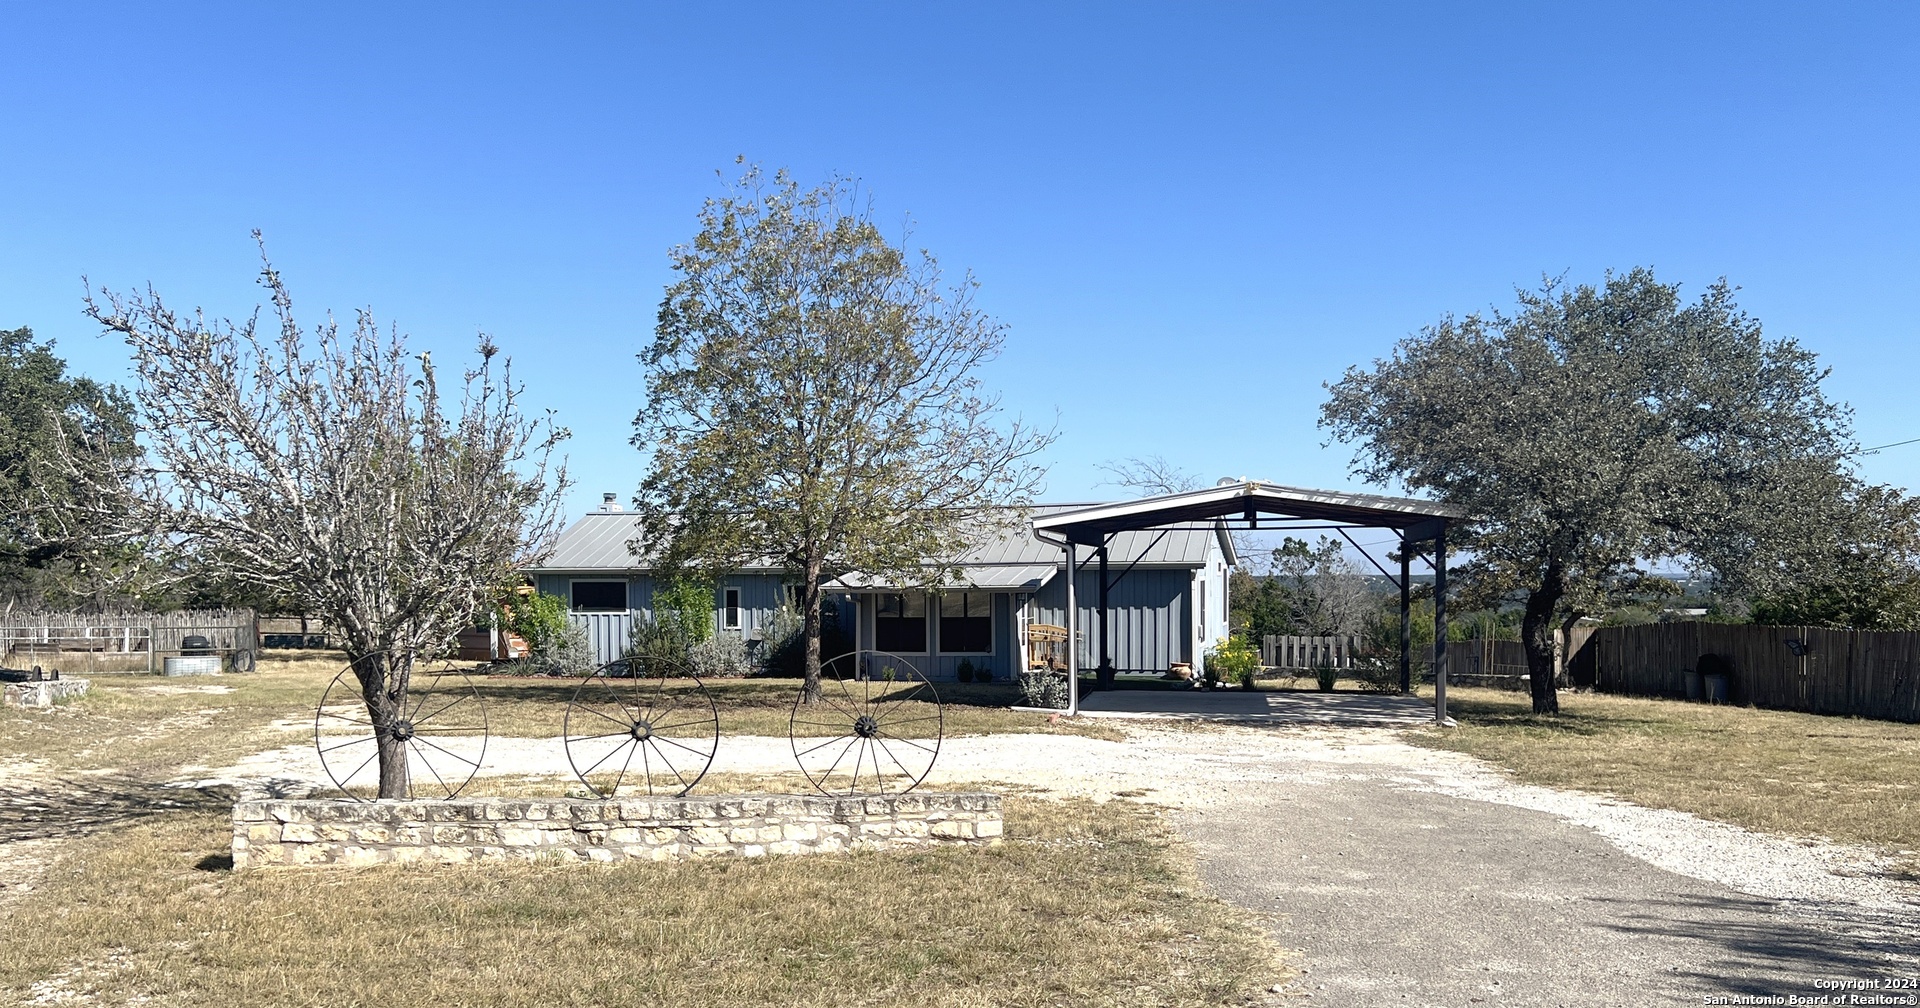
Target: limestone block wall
(309,832)
(44,693)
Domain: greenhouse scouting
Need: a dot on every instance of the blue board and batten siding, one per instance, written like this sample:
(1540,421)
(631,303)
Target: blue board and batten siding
(1167,603)
(1147,626)
(610,632)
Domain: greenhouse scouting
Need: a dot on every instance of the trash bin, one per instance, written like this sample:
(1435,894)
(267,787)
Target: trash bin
(1716,688)
(1695,689)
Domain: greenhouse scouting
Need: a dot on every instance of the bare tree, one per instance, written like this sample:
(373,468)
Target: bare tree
(1150,474)
(326,466)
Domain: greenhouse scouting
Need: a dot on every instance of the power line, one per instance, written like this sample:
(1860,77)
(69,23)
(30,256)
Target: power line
(1896,444)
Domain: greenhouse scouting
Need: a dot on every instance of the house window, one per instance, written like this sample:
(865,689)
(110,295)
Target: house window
(599,596)
(900,623)
(730,613)
(966,622)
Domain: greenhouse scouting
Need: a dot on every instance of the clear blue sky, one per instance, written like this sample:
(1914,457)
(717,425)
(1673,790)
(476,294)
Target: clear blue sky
(1188,216)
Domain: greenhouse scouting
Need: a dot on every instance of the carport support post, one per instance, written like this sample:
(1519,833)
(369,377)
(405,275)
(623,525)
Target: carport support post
(1440,626)
(1104,674)
(1073,634)
(1406,618)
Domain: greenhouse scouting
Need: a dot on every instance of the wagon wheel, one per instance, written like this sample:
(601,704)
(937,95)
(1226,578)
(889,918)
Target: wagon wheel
(641,723)
(875,730)
(443,727)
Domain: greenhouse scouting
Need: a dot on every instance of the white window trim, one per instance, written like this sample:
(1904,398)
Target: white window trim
(626,594)
(732,613)
(993,630)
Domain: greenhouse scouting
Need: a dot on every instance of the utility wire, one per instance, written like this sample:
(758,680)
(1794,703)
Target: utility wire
(1896,444)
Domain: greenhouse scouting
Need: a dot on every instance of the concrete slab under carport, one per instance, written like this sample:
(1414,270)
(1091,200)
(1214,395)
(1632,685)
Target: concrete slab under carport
(1277,707)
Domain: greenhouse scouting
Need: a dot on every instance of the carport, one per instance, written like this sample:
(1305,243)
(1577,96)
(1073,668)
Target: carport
(1265,507)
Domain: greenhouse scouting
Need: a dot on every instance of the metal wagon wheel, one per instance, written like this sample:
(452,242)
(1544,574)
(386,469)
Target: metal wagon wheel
(641,723)
(875,730)
(443,727)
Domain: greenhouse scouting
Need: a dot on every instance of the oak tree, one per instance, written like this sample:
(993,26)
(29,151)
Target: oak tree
(813,401)
(1593,432)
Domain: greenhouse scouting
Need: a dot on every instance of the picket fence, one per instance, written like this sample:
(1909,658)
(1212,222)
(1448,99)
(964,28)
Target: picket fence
(1290,652)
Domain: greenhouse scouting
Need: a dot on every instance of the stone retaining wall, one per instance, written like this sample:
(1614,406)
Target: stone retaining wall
(44,693)
(647,829)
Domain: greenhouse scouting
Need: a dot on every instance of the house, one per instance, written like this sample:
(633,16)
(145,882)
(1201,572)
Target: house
(1166,597)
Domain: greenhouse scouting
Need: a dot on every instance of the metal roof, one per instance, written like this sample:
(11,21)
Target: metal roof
(598,542)
(1248,501)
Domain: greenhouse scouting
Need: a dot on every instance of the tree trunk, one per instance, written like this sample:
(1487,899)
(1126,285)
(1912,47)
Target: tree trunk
(1536,633)
(383,685)
(810,604)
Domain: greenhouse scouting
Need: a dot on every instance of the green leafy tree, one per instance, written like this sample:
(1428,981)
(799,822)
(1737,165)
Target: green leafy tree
(813,401)
(1595,430)
(1868,578)
(48,418)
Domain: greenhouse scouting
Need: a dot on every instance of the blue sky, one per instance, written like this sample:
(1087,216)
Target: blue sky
(1189,217)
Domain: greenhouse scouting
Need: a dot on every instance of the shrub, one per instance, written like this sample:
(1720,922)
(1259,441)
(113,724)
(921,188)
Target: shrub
(785,650)
(1234,659)
(1042,688)
(684,607)
(964,671)
(1377,674)
(568,653)
(535,617)
(1325,675)
(720,656)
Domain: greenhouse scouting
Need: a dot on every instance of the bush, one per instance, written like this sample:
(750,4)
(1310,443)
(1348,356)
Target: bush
(720,656)
(568,653)
(1234,659)
(785,650)
(1377,674)
(1042,688)
(1325,676)
(964,671)
(684,607)
(535,617)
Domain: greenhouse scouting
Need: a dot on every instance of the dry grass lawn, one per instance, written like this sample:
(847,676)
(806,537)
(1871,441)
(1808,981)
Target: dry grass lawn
(1847,779)
(1085,904)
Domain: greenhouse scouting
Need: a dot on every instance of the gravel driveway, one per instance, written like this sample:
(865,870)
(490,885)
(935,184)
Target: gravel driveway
(1409,876)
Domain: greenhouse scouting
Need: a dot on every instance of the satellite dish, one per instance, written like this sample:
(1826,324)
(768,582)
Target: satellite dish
(1228,481)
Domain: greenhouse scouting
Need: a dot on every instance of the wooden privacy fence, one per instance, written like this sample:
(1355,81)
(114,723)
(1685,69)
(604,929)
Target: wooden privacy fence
(1289,652)
(86,643)
(1866,674)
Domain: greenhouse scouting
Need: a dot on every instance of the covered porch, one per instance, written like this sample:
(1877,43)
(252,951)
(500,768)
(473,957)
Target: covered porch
(1085,533)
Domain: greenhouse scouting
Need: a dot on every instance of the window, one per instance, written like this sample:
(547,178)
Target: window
(900,623)
(599,596)
(966,622)
(730,613)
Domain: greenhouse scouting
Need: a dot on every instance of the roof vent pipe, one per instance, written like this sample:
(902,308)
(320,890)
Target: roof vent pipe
(609,502)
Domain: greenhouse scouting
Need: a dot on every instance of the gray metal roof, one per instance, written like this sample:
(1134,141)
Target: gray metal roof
(1249,501)
(598,542)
